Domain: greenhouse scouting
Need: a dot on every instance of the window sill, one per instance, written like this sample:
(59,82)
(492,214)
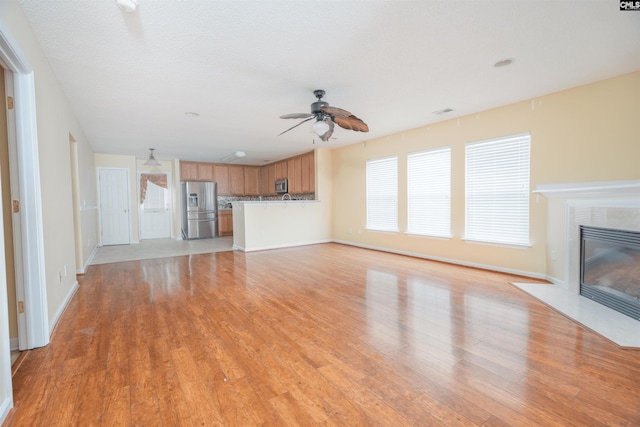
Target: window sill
(429,236)
(382,231)
(501,245)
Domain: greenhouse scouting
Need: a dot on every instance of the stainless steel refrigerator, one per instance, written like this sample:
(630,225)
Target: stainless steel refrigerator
(199,210)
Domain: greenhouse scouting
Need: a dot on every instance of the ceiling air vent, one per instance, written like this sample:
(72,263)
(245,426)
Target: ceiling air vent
(444,111)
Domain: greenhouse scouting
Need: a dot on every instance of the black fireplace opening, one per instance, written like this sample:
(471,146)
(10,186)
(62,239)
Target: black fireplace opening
(610,268)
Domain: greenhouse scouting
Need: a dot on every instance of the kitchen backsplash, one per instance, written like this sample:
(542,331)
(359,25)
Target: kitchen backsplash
(224,202)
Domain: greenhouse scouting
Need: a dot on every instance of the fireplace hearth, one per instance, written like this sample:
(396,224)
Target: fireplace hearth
(610,268)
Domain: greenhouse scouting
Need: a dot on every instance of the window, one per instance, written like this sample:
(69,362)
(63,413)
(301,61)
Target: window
(382,194)
(429,192)
(497,190)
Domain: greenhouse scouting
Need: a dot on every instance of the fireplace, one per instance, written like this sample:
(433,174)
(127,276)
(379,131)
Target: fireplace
(610,268)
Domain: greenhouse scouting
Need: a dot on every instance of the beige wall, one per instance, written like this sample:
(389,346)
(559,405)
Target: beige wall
(588,133)
(55,122)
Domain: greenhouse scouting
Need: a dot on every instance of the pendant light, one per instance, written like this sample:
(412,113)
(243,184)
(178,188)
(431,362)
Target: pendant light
(152,160)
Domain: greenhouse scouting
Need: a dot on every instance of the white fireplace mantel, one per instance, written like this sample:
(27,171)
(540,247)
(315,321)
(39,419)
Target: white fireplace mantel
(619,189)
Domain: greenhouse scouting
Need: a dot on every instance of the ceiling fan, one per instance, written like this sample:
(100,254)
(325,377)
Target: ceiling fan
(326,116)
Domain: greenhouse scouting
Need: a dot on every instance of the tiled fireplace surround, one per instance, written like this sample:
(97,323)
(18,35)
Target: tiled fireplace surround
(613,204)
(620,214)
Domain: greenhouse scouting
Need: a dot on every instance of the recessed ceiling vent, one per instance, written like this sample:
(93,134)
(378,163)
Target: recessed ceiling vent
(444,111)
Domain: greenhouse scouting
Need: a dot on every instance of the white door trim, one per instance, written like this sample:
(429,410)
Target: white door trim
(24,142)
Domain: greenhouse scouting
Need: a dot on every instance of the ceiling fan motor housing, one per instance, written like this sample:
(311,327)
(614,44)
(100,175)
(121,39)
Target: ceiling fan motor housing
(316,107)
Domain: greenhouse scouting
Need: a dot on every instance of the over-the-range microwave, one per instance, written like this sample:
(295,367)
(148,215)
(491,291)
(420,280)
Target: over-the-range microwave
(282,186)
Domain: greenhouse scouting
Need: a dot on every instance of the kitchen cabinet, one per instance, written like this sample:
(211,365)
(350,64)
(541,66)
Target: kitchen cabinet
(294,173)
(272,178)
(236,180)
(205,171)
(308,173)
(239,180)
(188,171)
(281,169)
(265,184)
(225,222)
(196,171)
(221,176)
(252,181)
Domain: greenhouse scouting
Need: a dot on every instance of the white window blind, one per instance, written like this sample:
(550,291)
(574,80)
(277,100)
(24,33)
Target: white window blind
(382,194)
(429,192)
(497,190)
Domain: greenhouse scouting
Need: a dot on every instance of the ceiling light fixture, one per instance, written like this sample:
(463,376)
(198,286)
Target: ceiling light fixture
(504,62)
(320,127)
(152,159)
(127,5)
(233,156)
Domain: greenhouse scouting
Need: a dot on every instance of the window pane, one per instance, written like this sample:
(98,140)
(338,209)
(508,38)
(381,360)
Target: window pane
(382,194)
(429,192)
(497,190)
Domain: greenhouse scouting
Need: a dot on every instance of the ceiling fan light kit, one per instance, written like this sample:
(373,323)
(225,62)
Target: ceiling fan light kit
(326,116)
(320,127)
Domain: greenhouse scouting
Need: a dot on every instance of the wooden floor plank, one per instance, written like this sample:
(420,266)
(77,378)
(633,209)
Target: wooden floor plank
(318,335)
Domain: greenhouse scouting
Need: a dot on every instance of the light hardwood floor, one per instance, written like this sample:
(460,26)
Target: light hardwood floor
(318,335)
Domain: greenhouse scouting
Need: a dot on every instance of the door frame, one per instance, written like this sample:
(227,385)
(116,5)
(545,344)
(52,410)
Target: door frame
(33,326)
(128,172)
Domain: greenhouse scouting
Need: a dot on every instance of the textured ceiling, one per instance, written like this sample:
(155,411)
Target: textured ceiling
(130,77)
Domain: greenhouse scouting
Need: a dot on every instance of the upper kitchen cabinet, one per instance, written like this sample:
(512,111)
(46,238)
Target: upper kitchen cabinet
(236,180)
(188,171)
(252,181)
(205,172)
(265,183)
(281,169)
(308,173)
(294,173)
(221,176)
(196,171)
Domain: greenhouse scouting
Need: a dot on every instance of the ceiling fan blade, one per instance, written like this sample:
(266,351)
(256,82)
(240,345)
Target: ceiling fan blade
(325,136)
(352,123)
(336,112)
(292,127)
(297,116)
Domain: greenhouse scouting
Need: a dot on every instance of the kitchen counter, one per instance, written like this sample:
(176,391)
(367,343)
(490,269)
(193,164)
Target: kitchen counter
(270,224)
(272,202)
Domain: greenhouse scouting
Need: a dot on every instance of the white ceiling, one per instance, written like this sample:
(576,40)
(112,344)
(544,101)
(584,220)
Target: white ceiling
(130,77)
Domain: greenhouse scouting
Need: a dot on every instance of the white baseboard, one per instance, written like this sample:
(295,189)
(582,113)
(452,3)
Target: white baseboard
(63,307)
(5,407)
(14,344)
(289,245)
(89,261)
(447,260)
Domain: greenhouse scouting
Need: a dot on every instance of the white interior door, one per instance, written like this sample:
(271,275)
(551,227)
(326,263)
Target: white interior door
(156,214)
(115,219)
